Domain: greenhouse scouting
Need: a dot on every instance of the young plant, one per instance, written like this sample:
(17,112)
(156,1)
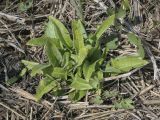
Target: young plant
(24,6)
(74,66)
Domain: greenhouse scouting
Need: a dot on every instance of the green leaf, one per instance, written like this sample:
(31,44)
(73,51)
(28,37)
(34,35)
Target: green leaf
(88,69)
(45,85)
(55,50)
(77,95)
(48,70)
(94,54)
(104,26)
(80,84)
(66,59)
(23,72)
(78,40)
(133,39)
(41,41)
(121,13)
(127,63)
(96,79)
(37,69)
(24,6)
(82,55)
(52,58)
(141,51)
(109,94)
(94,82)
(110,10)
(124,104)
(79,72)
(50,30)
(82,29)
(99,75)
(53,53)
(125,4)
(110,69)
(59,31)
(59,73)
(29,64)
(96,100)
(12,80)
(111,45)
(58,92)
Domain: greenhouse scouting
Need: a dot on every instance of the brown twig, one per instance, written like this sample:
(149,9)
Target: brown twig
(3,87)
(12,18)
(121,76)
(49,109)
(7,107)
(155,67)
(73,107)
(101,114)
(29,96)
(145,90)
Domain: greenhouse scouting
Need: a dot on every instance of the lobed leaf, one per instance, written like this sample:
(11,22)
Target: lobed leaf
(124,104)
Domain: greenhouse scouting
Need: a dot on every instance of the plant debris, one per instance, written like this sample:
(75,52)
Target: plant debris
(130,95)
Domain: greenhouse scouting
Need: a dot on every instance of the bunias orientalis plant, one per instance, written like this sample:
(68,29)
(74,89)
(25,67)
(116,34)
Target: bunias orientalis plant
(74,64)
